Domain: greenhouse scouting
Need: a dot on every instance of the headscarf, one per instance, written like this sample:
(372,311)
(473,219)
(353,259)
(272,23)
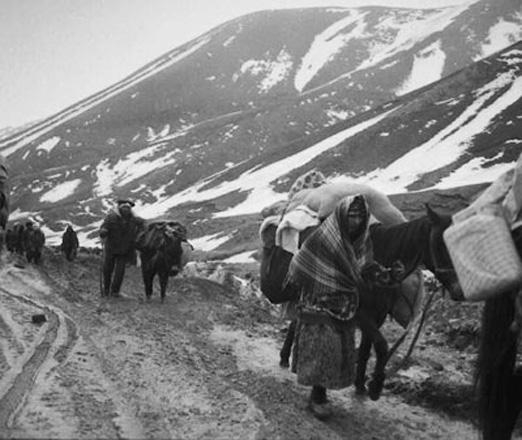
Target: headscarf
(329,261)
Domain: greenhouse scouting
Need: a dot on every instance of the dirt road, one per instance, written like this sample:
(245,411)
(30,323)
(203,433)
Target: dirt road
(203,365)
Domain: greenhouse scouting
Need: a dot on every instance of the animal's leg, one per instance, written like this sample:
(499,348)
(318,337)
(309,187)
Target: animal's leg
(148,277)
(163,279)
(369,327)
(362,361)
(284,354)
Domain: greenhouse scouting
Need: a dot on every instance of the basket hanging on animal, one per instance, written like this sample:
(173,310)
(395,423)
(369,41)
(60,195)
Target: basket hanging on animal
(483,253)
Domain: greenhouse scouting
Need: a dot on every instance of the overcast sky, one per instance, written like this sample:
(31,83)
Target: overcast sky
(56,52)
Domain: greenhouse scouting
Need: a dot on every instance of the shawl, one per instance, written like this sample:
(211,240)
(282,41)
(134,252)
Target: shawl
(328,263)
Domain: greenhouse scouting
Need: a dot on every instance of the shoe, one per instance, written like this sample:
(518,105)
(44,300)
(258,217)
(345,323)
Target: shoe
(321,411)
(116,294)
(284,363)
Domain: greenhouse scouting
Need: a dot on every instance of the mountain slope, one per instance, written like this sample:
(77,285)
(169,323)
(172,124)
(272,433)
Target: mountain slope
(222,125)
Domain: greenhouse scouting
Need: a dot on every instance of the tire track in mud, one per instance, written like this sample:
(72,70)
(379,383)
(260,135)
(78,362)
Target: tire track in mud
(23,380)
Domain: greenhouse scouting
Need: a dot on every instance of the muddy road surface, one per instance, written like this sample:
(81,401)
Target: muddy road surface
(202,365)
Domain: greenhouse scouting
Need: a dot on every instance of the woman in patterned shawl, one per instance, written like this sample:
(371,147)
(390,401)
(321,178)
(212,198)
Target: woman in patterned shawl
(327,272)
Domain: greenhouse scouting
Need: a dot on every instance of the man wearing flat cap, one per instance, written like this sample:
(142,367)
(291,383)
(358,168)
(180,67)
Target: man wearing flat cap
(118,231)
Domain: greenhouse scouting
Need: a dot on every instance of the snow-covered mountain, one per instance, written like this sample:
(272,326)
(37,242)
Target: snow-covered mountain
(220,127)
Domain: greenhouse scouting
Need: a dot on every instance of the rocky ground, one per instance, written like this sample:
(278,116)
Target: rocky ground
(203,365)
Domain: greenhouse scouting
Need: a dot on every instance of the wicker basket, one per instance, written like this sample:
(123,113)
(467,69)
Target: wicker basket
(483,253)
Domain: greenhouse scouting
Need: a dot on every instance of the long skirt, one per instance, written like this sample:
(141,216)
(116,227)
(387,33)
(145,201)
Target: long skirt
(325,354)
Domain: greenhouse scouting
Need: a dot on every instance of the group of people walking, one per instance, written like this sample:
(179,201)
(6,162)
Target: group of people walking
(26,240)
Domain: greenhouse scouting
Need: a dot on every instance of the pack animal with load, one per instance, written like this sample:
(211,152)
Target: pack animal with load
(164,250)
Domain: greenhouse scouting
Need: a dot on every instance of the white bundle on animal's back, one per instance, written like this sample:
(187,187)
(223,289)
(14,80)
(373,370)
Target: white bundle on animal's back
(324,198)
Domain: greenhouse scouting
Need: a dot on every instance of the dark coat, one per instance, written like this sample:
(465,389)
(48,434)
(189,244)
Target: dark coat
(34,240)
(120,233)
(70,243)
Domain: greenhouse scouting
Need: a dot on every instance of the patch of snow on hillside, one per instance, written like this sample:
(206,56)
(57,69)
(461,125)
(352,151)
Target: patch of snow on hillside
(428,65)
(209,242)
(104,178)
(335,116)
(229,40)
(512,57)
(326,45)
(385,66)
(61,191)
(451,142)
(52,238)
(501,35)
(130,168)
(257,180)
(17,215)
(473,172)
(173,135)
(274,71)
(49,144)
(407,35)
(243,257)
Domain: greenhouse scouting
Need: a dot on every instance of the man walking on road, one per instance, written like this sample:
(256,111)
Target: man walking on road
(118,232)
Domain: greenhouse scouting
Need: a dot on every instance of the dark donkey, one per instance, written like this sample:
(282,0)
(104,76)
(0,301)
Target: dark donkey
(412,243)
(160,251)
(4,200)
(498,380)
(415,243)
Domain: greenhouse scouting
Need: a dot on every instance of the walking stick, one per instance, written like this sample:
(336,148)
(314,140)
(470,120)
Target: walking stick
(102,291)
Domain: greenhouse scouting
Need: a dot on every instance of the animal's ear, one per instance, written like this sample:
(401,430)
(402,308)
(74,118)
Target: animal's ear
(432,215)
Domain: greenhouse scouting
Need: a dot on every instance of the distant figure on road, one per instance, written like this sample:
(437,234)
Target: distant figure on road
(19,230)
(70,243)
(10,240)
(118,231)
(34,240)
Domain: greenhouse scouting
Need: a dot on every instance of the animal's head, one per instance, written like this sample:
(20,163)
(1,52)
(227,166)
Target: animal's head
(376,274)
(439,259)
